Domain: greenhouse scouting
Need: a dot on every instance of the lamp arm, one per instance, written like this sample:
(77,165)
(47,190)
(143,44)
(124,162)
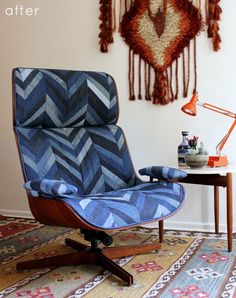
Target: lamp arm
(217,109)
(221,144)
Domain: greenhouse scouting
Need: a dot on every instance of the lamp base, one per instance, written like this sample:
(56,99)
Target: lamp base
(217,161)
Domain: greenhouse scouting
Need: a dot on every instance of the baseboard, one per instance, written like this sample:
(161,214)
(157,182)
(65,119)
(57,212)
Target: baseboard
(16,213)
(170,225)
(191,226)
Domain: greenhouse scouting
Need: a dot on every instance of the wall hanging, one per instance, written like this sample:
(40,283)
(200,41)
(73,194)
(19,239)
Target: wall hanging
(161,36)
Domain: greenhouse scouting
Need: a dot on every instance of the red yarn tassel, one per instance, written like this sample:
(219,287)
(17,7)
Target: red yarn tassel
(176,78)
(216,40)
(214,12)
(103,46)
(170,83)
(139,79)
(106,26)
(159,95)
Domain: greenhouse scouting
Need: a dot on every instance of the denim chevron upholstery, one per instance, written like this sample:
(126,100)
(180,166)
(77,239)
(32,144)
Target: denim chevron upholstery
(163,172)
(65,124)
(85,149)
(50,187)
(62,98)
(138,204)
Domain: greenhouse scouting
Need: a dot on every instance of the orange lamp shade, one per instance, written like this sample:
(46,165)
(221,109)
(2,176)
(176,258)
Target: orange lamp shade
(190,107)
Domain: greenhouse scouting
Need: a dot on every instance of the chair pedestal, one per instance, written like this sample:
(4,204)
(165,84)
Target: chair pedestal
(96,256)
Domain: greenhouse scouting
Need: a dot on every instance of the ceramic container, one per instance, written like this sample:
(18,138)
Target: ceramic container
(196,160)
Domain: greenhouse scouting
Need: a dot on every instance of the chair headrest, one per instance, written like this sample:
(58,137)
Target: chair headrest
(63,98)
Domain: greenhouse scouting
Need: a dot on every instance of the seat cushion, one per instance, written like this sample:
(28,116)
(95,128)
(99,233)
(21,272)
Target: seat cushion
(136,205)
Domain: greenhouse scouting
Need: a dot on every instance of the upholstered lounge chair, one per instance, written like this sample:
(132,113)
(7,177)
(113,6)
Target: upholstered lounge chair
(77,168)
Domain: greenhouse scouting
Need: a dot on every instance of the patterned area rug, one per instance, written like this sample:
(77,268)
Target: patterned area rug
(188,265)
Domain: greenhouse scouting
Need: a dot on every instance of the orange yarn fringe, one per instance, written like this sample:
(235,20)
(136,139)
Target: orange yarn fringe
(108,24)
(213,12)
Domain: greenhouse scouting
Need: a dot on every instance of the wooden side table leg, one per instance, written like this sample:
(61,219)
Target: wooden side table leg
(229,211)
(216,208)
(161,230)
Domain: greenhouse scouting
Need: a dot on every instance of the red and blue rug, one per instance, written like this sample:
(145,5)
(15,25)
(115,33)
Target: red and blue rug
(189,265)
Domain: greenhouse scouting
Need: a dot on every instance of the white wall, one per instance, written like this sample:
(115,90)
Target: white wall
(64,35)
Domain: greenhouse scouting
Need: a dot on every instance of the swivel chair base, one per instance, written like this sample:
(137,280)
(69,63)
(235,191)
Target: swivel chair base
(92,255)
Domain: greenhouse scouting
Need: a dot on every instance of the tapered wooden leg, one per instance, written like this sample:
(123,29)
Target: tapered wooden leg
(161,230)
(75,244)
(115,269)
(229,211)
(130,250)
(216,208)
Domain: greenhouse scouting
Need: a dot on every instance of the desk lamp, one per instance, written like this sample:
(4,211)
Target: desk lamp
(190,109)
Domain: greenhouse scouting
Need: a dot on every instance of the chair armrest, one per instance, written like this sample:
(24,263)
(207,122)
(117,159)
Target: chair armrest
(163,173)
(49,187)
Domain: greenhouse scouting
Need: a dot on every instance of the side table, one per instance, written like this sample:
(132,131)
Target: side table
(217,177)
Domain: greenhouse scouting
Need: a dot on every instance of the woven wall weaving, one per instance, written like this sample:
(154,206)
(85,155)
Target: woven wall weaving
(159,34)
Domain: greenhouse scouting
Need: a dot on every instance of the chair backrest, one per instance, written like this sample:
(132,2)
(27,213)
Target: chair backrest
(65,125)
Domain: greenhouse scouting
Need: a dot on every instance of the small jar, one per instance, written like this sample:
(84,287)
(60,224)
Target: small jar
(183,149)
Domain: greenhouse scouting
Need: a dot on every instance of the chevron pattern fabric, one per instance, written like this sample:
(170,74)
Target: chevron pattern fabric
(50,187)
(62,98)
(94,159)
(65,125)
(163,172)
(139,204)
